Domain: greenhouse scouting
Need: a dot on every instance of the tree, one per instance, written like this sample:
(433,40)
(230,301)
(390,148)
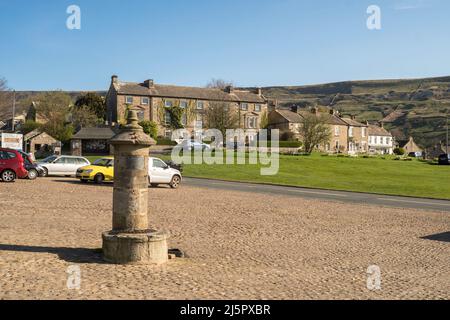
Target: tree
(54,108)
(314,131)
(220,116)
(219,84)
(83,117)
(150,128)
(29,126)
(5,95)
(94,102)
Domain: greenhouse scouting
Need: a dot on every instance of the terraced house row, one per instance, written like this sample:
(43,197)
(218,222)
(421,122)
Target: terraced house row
(346,134)
(155,102)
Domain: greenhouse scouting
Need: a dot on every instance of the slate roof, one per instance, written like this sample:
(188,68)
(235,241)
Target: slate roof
(297,117)
(375,130)
(170,91)
(354,123)
(94,134)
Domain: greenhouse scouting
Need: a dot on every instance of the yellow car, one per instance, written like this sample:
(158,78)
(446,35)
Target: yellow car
(101,170)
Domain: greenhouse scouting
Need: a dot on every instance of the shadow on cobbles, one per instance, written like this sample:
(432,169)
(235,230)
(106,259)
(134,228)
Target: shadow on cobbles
(443,237)
(73,255)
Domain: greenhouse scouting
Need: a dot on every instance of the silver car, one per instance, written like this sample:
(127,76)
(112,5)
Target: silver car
(62,165)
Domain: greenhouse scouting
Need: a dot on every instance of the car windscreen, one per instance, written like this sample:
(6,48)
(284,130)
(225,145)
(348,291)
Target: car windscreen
(103,162)
(49,159)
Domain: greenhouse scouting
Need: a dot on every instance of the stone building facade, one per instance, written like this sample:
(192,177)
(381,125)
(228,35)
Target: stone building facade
(357,136)
(290,122)
(380,140)
(153,102)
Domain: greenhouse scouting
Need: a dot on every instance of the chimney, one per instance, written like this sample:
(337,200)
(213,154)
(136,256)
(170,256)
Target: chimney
(114,79)
(353,117)
(382,124)
(259,91)
(273,105)
(314,110)
(229,89)
(295,108)
(332,112)
(149,83)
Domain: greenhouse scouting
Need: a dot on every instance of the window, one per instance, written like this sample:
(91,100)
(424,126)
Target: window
(350,131)
(363,133)
(129,100)
(3,155)
(145,101)
(337,130)
(159,164)
(257,107)
(244,106)
(168,104)
(251,122)
(167,118)
(71,161)
(60,161)
(199,121)
(184,119)
(168,134)
(183,104)
(200,105)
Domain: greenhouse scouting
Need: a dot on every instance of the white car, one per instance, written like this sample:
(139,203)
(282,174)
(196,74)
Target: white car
(62,165)
(194,145)
(160,173)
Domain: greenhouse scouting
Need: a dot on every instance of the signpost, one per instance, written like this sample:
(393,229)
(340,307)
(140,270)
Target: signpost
(12,141)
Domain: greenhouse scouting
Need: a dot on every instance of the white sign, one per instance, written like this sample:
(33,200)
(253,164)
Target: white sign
(12,141)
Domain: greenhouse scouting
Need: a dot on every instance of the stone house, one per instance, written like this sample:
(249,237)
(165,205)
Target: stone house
(92,141)
(358,136)
(409,145)
(289,122)
(154,102)
(37,142)
(380,140)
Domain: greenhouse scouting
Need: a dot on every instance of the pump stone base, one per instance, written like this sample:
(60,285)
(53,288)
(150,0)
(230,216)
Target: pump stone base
(135,248)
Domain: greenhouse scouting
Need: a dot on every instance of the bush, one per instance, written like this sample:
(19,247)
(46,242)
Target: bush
(399,151)
(150,128)
(165,142)
(284,144)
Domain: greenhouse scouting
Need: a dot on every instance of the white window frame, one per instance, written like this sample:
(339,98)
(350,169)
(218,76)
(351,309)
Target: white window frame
(167,116)
(337,131)
(145,103)
(183,102)
(242,106)
(200,105)
(350,132)
(129,97)
(258,108)
(168,104)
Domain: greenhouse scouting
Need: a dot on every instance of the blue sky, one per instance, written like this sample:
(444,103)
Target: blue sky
(252,43)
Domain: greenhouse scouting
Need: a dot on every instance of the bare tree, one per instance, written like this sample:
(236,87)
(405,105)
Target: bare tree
(5,97)
(219,84)
(314,131)
(220,116)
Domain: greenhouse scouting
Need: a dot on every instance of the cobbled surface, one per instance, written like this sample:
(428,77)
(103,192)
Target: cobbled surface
(238,246)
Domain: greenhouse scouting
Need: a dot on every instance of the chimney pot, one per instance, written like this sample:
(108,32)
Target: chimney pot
(229,89)
(149,83)
(259,91)
(114,79)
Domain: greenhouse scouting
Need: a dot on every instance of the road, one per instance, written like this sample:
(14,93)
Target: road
(343,196)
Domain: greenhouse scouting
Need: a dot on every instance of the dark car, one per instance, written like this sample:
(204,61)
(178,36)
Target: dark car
(12,165)
(34,170)
(444,159)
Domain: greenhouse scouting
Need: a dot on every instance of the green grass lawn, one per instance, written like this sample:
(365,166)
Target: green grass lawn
(372,175)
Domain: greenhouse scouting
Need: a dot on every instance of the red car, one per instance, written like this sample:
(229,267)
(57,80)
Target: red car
(12,165)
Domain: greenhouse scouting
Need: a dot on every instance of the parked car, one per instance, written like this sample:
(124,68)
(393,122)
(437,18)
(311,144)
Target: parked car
(12,165)
(190,145)
(62,165)
(34,170)
(101,170)
(161,173)
(415,154)
(444,159)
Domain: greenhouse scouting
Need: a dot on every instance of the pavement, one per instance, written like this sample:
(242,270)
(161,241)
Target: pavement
(237,245)
(329,195)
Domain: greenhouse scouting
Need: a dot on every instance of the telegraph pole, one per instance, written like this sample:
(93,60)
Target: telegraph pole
(13,111)
(447,137)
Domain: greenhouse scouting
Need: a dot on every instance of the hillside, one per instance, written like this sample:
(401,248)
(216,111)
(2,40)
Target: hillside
(414,107)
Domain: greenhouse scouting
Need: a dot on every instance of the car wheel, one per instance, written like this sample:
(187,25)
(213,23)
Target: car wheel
(45,172)
(154,185)
(99,178)
(175,183)
(32,174)
(8,176)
